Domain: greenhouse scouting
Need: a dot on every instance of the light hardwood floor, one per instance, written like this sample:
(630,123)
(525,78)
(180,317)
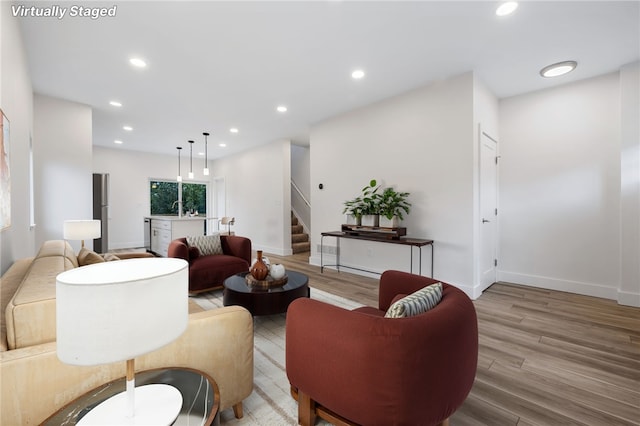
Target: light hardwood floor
(546,357)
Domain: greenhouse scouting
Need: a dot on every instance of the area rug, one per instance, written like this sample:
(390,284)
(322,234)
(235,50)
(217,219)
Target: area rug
(270,403)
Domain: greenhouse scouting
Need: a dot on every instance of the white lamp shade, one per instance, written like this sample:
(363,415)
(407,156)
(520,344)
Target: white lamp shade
(81,229)
(115,311)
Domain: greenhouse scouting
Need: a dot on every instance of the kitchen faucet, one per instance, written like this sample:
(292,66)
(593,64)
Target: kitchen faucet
(179,202)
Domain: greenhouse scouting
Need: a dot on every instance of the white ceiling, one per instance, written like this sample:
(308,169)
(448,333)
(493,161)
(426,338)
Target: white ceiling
(217,65)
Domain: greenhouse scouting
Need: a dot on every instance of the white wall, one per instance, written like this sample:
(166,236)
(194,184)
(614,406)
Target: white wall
(62,145)
(420,142)
(16,100)
(629,293)
(300,163)
(560,188)
(129,175)
(259,195)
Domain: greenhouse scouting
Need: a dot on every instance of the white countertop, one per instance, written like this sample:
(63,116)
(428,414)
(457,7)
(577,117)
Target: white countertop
(180,218)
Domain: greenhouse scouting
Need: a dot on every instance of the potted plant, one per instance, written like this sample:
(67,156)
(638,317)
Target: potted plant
(371,204)
(364,210)
(392,206)
(353,211)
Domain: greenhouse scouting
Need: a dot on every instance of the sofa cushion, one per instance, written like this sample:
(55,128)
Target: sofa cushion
(88,257)
(110,257)
(416,303)
(31,313)
(206,244)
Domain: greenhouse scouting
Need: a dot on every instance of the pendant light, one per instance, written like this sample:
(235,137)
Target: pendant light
(190,159)
(179,179)
(206,165)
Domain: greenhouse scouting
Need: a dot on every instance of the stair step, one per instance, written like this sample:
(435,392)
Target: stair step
(297,229)
(294,221)
(301,247)
(299,238)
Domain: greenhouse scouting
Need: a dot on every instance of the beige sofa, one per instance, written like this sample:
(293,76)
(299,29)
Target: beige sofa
(35,384)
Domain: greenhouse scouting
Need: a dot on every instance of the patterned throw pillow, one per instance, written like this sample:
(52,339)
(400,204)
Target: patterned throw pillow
(88,257)
(416,303)
(207,244)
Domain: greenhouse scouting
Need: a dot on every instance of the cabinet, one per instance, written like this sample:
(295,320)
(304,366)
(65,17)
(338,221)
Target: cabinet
(163,231)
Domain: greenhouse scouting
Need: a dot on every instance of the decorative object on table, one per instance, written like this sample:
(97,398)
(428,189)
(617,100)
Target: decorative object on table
(364,208)
(277,271)
(259,270)
(81,230)
(267,283)
(115,311)
(392,205)
(375,232)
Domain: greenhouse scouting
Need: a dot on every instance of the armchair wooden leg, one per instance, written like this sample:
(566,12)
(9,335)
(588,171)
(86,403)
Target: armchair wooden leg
(237,410)
(306,409)
(445,422)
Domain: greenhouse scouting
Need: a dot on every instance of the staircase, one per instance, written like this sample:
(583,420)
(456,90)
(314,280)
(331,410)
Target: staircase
(299,240)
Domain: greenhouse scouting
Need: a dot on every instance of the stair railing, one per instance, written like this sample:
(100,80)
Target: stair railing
(301,207)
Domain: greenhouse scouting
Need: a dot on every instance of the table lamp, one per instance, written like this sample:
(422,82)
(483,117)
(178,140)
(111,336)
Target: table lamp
(114,311)
(81,230)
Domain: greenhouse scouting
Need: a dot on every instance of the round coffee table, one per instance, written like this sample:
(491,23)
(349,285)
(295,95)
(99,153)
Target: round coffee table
(261,301)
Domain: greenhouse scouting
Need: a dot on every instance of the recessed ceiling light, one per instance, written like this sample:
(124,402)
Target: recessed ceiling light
(222,145)
(127,128)
(560,68)
(357,74)
(137,62)
(233,130)
(282,108)
(115,104)
(117,142)
(201,154)
(506,8)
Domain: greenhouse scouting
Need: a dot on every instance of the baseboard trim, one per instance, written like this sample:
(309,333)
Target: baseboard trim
(550,283)
(628,299)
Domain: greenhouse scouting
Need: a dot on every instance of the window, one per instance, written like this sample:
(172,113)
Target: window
(165,198)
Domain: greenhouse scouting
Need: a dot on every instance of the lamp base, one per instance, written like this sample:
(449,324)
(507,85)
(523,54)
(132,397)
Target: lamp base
(155,404)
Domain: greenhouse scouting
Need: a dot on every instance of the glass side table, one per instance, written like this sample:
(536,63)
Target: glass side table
(200,397)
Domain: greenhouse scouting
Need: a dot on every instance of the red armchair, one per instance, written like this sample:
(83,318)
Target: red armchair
(357,367)
(209,272)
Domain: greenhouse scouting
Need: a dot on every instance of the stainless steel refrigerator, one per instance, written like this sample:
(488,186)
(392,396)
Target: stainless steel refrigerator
(101,210)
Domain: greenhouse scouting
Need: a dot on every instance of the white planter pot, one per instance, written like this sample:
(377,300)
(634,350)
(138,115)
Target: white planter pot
(353,220)
(370,220)
(394,222)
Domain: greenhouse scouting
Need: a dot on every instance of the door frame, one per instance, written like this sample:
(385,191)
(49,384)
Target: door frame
(481,135)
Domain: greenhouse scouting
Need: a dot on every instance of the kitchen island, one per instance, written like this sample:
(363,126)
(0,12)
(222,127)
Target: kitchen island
(164,229)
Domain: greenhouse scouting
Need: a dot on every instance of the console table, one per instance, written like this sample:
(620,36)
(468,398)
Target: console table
(411,242)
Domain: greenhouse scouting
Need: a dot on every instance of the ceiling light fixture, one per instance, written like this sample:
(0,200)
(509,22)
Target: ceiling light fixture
(127,128)
(282,108)
(558,69)
(179,178)
(190,159)
(506,8)
(115,104)
(138,63)
(222,145)
(357,74)
(206,156)
(233,130)
(117,142)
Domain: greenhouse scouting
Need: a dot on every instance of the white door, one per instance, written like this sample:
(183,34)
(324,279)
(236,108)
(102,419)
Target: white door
(488,210)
